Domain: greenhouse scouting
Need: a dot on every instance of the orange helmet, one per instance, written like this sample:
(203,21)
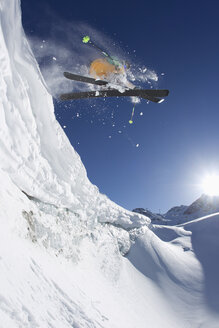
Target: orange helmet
(101,68)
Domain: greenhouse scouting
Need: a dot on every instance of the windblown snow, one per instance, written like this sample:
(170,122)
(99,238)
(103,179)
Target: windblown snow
(70,257)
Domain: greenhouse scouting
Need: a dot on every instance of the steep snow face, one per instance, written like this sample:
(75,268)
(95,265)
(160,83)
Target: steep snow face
(34,150)
(46,194)
(33,147)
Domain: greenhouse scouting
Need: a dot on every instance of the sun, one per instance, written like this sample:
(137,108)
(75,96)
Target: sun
(210,185)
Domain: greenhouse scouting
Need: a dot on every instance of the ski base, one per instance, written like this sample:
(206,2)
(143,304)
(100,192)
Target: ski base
(152,95)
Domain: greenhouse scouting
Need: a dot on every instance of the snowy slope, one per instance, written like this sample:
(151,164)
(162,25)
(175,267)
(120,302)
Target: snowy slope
(69,257)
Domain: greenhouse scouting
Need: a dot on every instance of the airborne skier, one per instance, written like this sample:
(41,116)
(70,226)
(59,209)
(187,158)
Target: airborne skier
(109,71)
(109,67)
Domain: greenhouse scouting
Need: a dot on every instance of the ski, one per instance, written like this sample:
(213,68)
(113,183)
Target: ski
(85,79)
(152,95)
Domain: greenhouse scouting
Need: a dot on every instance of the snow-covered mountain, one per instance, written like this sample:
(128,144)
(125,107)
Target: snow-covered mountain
(204,205)
(158,218)
(70,257)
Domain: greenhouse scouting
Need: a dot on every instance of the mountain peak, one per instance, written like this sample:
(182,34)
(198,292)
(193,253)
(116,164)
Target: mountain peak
(204,205)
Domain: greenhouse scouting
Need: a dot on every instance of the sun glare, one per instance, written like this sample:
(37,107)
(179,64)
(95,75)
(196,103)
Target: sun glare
(210,185)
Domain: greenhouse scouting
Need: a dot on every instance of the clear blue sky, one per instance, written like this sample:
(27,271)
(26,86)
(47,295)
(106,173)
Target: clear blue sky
(178,139)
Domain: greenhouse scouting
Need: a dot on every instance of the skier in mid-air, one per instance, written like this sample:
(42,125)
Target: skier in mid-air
(110,73)
(109,67)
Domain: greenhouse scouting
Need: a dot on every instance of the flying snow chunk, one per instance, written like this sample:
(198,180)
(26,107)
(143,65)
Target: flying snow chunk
(135,100)
(141,113)
(137,145)
(143,70)
(54,58)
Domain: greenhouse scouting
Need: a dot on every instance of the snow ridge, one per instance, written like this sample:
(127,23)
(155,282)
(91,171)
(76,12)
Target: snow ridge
(38,155)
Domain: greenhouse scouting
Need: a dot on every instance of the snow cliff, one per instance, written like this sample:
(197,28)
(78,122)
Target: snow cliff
(37,155)
(69,257)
